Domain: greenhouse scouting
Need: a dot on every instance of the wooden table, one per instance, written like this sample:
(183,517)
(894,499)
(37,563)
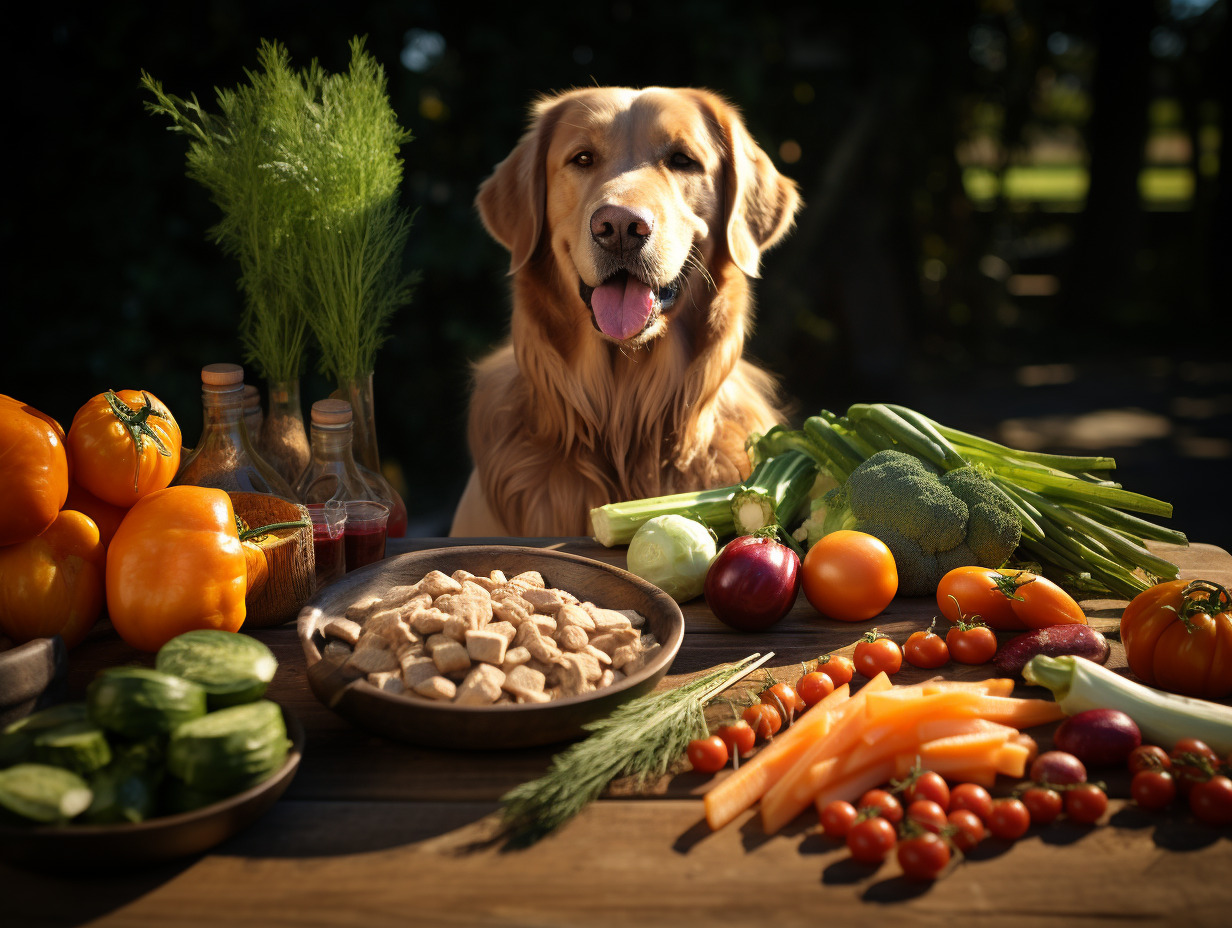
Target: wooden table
(378,833)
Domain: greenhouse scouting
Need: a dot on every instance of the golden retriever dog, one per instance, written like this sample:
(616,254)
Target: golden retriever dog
(634,220)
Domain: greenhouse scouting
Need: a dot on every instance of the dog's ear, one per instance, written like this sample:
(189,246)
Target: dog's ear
(760,203)
(512,201)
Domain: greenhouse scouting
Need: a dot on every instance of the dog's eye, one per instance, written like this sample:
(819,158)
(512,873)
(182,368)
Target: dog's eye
(680,160)
(583,159)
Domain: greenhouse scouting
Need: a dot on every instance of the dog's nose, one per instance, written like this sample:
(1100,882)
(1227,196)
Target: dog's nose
(621,229)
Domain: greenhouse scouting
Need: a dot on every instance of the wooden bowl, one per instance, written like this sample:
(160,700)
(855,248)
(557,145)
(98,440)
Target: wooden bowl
(292,563)
(92,848)
(31,677)
(445,725)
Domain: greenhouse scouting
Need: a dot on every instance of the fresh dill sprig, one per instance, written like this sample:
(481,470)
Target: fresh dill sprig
(640,739)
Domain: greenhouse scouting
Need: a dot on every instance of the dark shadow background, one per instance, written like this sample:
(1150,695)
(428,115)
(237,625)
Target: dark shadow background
(945,258)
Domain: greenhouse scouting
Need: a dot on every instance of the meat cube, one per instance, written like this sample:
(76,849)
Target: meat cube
(570,614)
(435,687)
(572,638)
(450,657)
(388,680)
(475,608)
(505,629)
(487,646)
(606,620)
(342,630)
(435,583)
(525,682)
(428,621)
(515,657)
(482,686)
(417,669)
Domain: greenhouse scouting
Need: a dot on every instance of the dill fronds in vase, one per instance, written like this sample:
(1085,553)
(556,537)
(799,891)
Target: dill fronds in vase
(346,167)
(232,154)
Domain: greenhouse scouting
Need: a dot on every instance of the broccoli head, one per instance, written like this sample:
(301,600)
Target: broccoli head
(931,522)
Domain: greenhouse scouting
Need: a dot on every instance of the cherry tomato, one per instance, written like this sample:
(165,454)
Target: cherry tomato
(926,649)
(885,802)
(973,797)
(1194,746)
(739,737)
(927,784)
(923,857)
(1085,803)
(1211,801)
(764,719)
(971,643)
(839,668)
(814,686)
(1009,819)
(1192,762)
(849,576)
(871,839)
(1153,789)
(707,755)
(968,829)
(837,818)
(1148,757)
(978,591)
(927,814)
(875,654)
(1043,804)
(784,698)
(1038,602)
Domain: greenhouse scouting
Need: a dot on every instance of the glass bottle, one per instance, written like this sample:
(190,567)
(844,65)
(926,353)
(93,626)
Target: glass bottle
(253,416)
(333,475)
(358,392)
(283,440)
(224,456)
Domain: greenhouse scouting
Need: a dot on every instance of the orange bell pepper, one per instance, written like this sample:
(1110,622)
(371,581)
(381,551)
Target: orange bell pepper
(53,583)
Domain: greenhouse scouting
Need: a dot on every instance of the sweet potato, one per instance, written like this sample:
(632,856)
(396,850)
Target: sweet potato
(1053,641)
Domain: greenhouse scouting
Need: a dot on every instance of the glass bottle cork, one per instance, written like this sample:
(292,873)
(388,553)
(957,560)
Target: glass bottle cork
(332,477)
(224,456)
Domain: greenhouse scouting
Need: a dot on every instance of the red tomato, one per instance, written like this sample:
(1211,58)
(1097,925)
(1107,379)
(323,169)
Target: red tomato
(978,592)
(783,697)
(927,814)
(871,839)
(813,687)
(885,802)
(1085,803)
(1153,789)
(875,654)
(764,719)
(1039,602)
(849,576)
(1192,762)
(1009,819)
(927,784)
(968,829)
(1148,757)
(926,649)
(739,737)
(1043,804)
(837,818)
(971,643)
(1211,801)
(923,857)
(973,797)
(707,755)
(840,669)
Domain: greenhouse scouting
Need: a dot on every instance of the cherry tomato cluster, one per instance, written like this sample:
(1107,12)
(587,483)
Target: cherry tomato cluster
(777,705)
(1191,770)
(968,641)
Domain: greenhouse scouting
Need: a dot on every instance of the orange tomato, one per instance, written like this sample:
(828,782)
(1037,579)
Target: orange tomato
(33,471)
(176,563)
(850,576)
(1038,602)
(966,592)
(124,446)
(1178,637)
(106,516)
(53,583)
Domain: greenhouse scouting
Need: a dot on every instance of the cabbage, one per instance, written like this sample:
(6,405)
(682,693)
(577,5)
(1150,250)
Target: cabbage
(673,553)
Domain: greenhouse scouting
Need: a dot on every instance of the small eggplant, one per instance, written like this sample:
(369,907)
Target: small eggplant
(1052,641)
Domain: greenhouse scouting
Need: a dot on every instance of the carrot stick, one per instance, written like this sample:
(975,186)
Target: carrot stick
(731,796)
(794,790)
(996,686)
(1011,759)
(932,729)
(853,785)
(1021,713)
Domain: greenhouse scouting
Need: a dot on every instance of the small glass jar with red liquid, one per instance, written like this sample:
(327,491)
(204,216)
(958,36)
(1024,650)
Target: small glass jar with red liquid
(333,475)
(328,541)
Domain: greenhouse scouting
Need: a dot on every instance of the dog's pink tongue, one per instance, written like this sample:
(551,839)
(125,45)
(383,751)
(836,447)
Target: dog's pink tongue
(622,306)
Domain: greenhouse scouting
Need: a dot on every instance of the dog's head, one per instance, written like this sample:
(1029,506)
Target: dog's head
(636,195)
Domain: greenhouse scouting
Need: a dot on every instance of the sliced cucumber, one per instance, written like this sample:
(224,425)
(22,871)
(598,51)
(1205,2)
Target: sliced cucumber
(78,746)
(18,737)
(232,668)
(39,793)
(138,702)
(231,749)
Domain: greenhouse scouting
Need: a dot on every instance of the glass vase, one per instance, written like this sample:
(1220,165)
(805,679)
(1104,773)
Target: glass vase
(284,440)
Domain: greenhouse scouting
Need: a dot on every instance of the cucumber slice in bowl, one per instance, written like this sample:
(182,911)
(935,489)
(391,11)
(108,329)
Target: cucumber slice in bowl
(232,668)
(138,702)
(231,749)
(44,794)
